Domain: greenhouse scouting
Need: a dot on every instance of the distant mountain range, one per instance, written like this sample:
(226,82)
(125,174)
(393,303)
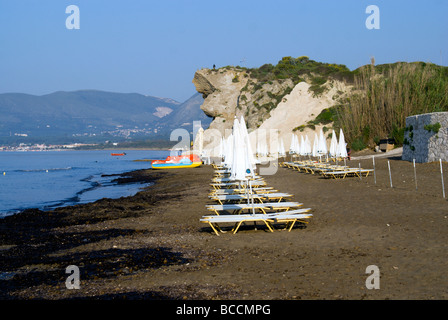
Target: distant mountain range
(94,116)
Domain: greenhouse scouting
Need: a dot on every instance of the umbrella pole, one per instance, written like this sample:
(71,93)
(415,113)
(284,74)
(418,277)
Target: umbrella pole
(441,175)
(251,197)
(251,201)
(415,175)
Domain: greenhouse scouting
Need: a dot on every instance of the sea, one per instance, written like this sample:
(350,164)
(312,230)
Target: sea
(49,179)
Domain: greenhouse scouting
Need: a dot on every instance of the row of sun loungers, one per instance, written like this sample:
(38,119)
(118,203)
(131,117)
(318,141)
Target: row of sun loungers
(327,170)
(238,204)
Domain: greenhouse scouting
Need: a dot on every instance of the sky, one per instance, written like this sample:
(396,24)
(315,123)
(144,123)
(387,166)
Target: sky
(155,47)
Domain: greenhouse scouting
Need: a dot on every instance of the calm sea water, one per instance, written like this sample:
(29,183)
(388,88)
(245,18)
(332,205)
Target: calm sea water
(47,180)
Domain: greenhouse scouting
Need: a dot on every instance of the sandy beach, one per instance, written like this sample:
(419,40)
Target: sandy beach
(152,245)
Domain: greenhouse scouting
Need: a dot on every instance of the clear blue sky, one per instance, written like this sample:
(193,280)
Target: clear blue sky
(154,47)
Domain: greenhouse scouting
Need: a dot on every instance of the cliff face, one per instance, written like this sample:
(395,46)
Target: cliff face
(281,105)
(221,91)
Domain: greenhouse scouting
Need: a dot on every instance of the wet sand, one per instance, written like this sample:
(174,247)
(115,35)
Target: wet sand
(152,245)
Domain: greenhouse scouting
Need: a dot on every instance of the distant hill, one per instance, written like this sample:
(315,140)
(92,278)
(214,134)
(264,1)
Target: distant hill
(93,116)
(187,112)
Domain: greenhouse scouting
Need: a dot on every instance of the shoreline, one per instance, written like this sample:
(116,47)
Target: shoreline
(151,246)
(130,177)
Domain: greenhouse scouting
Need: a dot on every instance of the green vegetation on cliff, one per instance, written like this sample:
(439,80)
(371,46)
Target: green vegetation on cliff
(302,69)
(297,69)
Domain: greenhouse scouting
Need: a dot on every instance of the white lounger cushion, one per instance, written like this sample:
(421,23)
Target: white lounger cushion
(240,191)
(239,206)
(299,213)
(256,195)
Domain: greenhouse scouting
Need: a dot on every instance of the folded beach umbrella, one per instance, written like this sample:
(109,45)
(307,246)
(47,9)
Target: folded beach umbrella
(261,147)
(241,169)
(296,144)
(281,149)
(315,146)
(294,148)
(292,144)
(246,139)
(322,144)
(198,144)
(221,148)
(224,148)
(228,155)
(342,148)
(333,145)
(307,146)
(238,170)
(261,150)
(302,146)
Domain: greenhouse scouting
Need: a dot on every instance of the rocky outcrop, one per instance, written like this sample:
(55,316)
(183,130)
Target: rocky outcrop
(202,84)
(221,91)
(282,105)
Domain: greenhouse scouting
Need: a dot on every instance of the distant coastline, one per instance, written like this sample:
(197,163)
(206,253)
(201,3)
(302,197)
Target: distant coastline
(137,145)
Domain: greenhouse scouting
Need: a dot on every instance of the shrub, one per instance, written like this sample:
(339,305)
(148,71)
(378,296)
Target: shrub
(432,127)
(300,128)
(326,116)
(358,144)
(293,68)
(398,135)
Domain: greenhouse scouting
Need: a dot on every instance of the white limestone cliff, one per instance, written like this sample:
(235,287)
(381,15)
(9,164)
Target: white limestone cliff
(230,92)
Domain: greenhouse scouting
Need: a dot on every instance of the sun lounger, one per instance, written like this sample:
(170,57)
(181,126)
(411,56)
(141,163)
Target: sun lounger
(219,171)
(290,218)
(224,174)
(281,214)
(237,220)
(235,197)
(329,169)
(253,183)
(228,179)
(346,173)
(264,207)
(240,191)
(260,197)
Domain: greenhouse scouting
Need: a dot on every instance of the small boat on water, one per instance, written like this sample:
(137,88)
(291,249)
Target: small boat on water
(176,162)
(118,154)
